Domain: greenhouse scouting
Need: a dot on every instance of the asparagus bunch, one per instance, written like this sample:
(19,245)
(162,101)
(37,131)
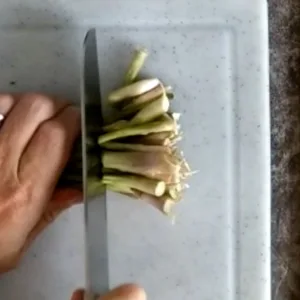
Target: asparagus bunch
(139,154)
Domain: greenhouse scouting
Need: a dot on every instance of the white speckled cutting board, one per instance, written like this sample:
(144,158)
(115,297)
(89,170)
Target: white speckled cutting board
(215,54)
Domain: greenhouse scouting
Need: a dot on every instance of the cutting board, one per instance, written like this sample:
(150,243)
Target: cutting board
(215,55)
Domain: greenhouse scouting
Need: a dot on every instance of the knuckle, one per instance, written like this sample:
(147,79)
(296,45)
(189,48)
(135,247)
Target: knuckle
(53,130)
(49,217)
(6,99)
(39,103)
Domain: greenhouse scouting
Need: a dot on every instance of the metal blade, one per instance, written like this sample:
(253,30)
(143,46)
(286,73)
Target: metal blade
(95,207)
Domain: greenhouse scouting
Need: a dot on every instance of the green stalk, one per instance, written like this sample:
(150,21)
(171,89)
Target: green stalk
(118,125)
(135,147)
(148,113)
(143,184)
(138,102)
(122,189)
(164,124)
(158,138)
(151,111)
(153,165)
(135,66)
(133,90)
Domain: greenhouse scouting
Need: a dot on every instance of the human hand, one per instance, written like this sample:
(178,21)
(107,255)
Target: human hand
(36,139)
(124,292)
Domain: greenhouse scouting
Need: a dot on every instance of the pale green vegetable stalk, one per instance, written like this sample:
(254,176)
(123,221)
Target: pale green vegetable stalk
(166,124)
(118,125)
(158,138)
(138,102)
(135,147)
(148,113)
(135,66)
(133,90)
(139,183)
(151,111)
(123,189)
(149,164)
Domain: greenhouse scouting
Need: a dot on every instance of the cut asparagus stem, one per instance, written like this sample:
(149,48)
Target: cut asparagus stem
(149,164)
(163,203)
(143,184)
(152,111)
(116,125)
(165,124)
(133,90)
(158,138)
(135,66)
(135,147)
(137,102)
(175,191)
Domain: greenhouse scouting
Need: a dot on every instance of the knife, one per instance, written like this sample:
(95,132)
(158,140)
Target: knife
(95,208)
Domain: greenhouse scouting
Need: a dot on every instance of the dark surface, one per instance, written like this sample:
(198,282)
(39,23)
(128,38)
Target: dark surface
(284,16)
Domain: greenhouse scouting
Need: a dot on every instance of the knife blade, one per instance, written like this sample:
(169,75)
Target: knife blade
(95,208)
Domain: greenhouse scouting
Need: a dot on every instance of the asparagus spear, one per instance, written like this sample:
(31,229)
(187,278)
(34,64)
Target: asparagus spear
(135,66)
(149,164)
(136,103)
(153,187)
(151,111)
(132,90)
(148,113)
(135,147)
(143,129)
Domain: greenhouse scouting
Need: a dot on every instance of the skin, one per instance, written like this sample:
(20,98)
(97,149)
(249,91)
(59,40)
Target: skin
(36,139)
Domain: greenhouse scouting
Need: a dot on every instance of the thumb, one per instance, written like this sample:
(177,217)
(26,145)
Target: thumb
(78,295)
(124,292)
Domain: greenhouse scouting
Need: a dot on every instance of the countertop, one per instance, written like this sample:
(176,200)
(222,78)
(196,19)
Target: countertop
(284,21)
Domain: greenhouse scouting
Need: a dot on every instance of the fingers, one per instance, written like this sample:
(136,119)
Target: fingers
(124,292)
(78,295)
(49,150)
(25,116)
(61,201)
(6,103)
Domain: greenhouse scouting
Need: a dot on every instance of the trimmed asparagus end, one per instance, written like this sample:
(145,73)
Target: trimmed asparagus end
(163,203)
(159,166)
(139,183)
